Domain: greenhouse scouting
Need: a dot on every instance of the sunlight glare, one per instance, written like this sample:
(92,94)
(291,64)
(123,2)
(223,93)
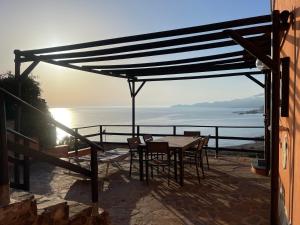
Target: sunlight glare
(64,116)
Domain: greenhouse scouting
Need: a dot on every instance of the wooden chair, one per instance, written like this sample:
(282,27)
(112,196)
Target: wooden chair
(197,157)
(133,144)
(154,148)
(191,151)
(147,137)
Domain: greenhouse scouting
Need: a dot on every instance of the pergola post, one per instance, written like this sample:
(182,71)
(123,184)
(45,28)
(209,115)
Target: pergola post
(19,111)
(267,118)
(133,108)
(275,103)
(133,94)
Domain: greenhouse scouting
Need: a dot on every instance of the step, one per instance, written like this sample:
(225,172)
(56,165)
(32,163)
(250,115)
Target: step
(28,209)
(79,214)
(21,211)
(100,218)
(51,211)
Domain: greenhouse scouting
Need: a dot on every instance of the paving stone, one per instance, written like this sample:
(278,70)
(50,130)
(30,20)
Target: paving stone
(230,194)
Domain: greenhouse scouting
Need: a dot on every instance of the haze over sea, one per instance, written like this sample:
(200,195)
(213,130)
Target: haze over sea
(214,116)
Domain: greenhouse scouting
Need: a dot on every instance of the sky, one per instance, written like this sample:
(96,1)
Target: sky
(34,24)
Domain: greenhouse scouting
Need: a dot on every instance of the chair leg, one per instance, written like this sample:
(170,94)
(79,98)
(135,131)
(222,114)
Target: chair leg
(151,172)
(197,169)
(175,165)
(157,169)
(151,167)
(106,172)
(147,171)
(169,168)
(130,166)
(201,165)
(206,159)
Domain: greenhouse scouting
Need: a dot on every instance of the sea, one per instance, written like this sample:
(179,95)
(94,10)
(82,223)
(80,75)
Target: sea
(210,116)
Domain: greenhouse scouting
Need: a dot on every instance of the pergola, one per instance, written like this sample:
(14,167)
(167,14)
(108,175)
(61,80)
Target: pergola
(225,49)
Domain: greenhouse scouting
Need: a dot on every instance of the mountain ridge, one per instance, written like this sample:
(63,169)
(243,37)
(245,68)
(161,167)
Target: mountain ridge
(255,101)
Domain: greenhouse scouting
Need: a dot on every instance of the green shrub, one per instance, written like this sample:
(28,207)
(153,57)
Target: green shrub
(32,124)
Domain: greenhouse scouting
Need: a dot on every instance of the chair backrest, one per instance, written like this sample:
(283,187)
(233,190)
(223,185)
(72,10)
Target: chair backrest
(133,142)
(158,147)
(147,137)
(206,140)
(192,133)
(200,145)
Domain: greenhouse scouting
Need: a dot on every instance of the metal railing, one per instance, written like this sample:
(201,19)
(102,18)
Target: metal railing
(174,131)
(25,150)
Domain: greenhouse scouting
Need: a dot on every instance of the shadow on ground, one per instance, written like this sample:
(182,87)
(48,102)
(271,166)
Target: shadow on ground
(229,194)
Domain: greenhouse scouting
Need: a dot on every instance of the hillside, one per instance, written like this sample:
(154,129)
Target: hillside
(255,102)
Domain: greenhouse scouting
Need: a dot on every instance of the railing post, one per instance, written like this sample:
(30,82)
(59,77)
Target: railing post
(4,179)
(138,130)
(94,175)
(174,130)
(26,169)
(217,141)
(101,133)
(76,142)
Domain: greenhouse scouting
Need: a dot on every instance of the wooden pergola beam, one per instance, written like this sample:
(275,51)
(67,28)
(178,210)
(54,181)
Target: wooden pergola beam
(155,45)
(183,49)
(155,35)
(166,63)
(191,68)
(251,48)
(200,77)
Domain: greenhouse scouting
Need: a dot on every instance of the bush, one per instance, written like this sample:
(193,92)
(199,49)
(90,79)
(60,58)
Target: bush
(32,124)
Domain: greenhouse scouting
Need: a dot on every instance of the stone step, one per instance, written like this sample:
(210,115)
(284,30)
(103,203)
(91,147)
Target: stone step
(29,209)
(51,211)
(19,212)
(79,214)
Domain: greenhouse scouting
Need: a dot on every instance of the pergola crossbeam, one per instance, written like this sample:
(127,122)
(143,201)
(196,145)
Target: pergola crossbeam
(171,62)
(158,44)
(201,76)
(194,68)
(212,45)
(155,35)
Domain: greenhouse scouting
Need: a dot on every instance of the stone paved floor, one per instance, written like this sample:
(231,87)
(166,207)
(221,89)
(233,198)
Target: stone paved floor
(229,194)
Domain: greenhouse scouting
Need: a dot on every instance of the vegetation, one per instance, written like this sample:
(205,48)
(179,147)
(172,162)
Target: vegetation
(32,124)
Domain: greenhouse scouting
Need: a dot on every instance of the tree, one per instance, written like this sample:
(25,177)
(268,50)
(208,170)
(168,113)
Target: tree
(32,124)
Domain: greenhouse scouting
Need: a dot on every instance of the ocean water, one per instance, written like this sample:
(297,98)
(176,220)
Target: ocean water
(77,117)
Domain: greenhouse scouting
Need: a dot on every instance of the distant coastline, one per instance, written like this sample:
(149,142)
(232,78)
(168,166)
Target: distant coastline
(252,102)
(260,110)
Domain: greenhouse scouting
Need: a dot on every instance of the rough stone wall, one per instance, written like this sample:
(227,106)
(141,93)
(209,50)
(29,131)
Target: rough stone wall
(290,126)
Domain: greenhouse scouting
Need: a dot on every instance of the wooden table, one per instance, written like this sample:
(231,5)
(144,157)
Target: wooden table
(178,144)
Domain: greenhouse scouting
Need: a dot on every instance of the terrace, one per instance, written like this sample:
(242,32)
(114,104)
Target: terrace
(228,194)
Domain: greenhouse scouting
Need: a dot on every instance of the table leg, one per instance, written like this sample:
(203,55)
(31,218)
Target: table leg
(140,150)
(181,171)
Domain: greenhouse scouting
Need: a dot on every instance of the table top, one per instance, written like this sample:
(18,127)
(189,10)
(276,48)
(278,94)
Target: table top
(182,142)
